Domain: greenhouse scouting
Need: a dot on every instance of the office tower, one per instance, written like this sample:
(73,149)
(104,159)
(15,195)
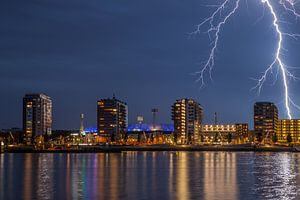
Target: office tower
(286,127)
(265,120)
(112,119)
(187,115)
(37,116)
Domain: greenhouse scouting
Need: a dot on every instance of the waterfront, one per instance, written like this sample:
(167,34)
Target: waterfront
(150,175)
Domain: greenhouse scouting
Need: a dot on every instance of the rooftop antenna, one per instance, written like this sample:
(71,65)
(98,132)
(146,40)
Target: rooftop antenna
(216,118)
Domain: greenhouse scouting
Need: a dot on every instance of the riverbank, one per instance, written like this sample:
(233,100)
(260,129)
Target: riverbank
(119,149)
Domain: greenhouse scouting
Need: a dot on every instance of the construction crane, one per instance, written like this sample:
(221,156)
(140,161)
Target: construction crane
(12,137)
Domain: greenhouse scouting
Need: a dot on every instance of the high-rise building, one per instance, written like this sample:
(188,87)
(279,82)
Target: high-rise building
(265,120)
(37,116)
(286,127)
(187,115)
(112,119)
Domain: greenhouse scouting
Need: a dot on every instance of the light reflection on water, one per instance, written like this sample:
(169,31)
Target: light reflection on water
(150,175)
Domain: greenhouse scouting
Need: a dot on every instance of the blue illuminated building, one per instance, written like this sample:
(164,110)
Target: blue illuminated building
(149,128)
(140,128)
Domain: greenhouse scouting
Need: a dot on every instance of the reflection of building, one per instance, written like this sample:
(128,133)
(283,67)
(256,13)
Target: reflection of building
(287,126)
(265,119)
(37,116)
(221,176)
(111,118)
(220,132)
(187,115)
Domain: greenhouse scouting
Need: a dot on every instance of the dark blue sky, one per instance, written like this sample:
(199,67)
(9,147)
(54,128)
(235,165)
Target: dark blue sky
(78,51)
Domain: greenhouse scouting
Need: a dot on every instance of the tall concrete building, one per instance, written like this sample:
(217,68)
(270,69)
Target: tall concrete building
(286,127)
(37,116)
(187,115)
(112,119)
(265,120)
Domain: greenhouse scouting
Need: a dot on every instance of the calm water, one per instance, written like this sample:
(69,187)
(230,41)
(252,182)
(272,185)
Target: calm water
(150,175)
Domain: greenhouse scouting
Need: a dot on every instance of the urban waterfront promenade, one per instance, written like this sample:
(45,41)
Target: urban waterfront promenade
(119,148)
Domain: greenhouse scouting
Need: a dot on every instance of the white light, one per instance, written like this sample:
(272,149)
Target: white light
(215,23)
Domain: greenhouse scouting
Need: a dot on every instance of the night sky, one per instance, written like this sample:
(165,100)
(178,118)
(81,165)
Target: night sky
(78,51)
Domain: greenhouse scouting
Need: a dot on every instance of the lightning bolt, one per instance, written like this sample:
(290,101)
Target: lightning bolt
(215,24)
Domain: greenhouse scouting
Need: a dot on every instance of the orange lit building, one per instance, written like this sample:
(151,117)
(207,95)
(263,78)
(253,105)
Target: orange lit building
(112,119)
(187,115)
(288,126)
(37,116)
(265,120)
(219,133)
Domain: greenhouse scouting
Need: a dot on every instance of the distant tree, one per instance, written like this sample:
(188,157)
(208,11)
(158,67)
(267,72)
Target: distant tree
(125,137)
(46,137)
(201,138)
(189,139)
(175,137)
(259,137)
(152,137)
(229,137)
(274,138)
(289,138)
(113,139)
(216,137)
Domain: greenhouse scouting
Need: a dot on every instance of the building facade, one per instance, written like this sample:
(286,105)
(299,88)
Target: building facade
(219,133)
(286,127)
(37,117)
(112,119)
(265,120)
(187,115)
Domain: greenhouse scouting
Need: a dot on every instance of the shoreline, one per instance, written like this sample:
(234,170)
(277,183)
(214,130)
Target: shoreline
(119,149)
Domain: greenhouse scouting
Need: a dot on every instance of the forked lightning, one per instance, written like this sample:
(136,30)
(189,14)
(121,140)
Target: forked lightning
(219,18)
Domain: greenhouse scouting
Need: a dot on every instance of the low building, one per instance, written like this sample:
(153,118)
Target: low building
(142,133)
(286,127)
(220,133)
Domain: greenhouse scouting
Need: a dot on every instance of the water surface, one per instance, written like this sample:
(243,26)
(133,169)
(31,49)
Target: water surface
(150,175)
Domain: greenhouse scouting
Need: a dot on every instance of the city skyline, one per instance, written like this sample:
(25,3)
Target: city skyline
(80,57)
(114,104)
(155,99)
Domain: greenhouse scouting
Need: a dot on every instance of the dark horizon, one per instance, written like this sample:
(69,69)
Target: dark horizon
(78,52)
